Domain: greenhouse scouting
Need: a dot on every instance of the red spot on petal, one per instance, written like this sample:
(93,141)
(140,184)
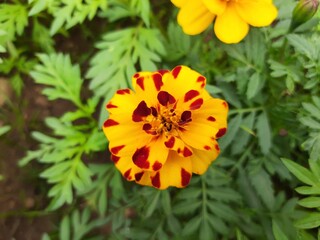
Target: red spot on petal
(185,117)
(225,104)
(140,157)
(136,75)
(156,180)
(212,119)
(127,174)
(186,152)
(202,80)
(217,147)
(110,122)
(190,95)
(157,80)
(156,166)
(110,105)
(185,177)
(170,142)
(221,132)
(140,112)
(196,104)
(146,126)
(140,82)
(164,98)
(115,150)
(163,71)
(181,129)
(176,71)
(207,147)
(114,158)
(123,91)
(138,176)
(154,111)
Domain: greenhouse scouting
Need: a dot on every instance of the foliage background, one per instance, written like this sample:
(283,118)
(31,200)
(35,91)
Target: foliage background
(264,185)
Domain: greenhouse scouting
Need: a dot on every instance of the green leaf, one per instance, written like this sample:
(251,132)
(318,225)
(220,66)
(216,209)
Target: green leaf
(64,231)
(153,204)
(192,226)
(310,202)
(312,220)
(305,190)
(264,133)
(4,130)
(277,231)
(233,128)
(300,172)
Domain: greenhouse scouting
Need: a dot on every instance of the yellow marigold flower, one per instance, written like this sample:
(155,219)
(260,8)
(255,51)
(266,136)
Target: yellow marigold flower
(232,17)
(166,129)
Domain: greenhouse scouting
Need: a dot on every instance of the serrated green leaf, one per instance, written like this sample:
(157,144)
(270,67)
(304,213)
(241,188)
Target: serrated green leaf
(233,128)
(192,226)
(264,133)
(277,231)
(254,85)
(312,220)
(300,172)
(305,190)
(310,202)
(64,230)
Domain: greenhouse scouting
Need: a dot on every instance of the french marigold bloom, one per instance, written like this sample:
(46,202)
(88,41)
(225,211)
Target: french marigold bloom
(166,129)
(232,17)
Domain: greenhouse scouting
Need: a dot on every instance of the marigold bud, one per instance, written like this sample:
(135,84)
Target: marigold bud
(303,12)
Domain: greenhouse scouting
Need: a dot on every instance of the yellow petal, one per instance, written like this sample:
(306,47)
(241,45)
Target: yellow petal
(152,156)
(125,165)
(179,3)
(230,27)
(201,160)
(215,6)
(176,144)
(194,17)
(257,13)
(181,80)
(119,104)
(176,172)
(147,85)
(208,123)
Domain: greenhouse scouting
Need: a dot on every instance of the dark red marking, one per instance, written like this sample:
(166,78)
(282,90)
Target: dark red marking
(182,129)
(154,112)
(140,112)
(185,177)
(140,82)
(185,117)
(221,132)
(156,180)
(114,158)
(175,72)
(157,80)
(163,71)
(164,98)
(138,176)
(190,95)
(123,91)
(207,147)
(140,157)
(110,122)
(217,147)
(127,174)
(196,104)
(115,150)
(136,75)
(170,142)
(156,166)
(225,104)
(146,126)
(212,119)
(202,80)
(186,152)
(110,105)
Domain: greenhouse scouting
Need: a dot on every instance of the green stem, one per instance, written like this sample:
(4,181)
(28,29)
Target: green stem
(241,160)
(245,110)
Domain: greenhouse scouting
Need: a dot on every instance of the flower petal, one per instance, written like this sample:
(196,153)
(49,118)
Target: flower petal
(201,160)
(258,13)
(147,85)
(176,144)
(194,17)
(176,172)
(179,3)
(119,103)
(230,27)
(126,167)
(152,156)
(208,123)
(215,6)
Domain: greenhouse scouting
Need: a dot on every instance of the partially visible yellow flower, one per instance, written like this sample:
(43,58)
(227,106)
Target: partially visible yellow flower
(166,129)
(232,17)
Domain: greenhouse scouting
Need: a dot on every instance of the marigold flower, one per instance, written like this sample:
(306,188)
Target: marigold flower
(166,129)
(232,17)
